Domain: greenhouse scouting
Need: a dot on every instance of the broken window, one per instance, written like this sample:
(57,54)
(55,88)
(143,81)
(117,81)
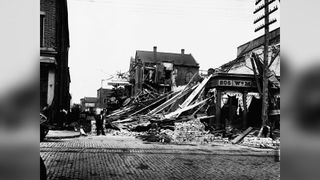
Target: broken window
(149,74)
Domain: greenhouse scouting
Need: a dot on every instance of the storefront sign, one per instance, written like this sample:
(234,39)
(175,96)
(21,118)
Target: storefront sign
(235,83)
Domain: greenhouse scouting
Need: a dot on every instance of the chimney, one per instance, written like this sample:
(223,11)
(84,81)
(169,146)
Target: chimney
(182,51)
(155,53)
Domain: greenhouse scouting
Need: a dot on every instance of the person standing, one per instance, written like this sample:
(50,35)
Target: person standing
(63,118)
(99,123)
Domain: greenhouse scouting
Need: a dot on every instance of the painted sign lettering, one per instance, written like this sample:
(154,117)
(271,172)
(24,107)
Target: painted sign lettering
(235,83)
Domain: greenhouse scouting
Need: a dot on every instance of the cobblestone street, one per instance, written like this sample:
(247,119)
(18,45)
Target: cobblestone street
(109,157)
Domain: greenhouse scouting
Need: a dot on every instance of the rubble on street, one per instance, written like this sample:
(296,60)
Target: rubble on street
(158,117)
(261,142)
(192,131)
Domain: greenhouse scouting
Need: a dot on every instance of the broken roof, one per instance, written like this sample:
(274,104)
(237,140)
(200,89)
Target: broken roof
(274,38)
(175,58)
(250,46)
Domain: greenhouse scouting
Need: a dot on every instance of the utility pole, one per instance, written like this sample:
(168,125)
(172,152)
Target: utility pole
(265,26)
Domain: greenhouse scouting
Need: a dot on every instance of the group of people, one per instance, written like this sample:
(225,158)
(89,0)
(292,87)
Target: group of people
(84,119)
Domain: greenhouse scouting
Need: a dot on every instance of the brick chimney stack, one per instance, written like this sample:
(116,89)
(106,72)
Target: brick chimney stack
(182,51)
(155,53)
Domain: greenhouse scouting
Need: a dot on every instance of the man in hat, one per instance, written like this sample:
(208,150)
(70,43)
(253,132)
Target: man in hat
(99,117)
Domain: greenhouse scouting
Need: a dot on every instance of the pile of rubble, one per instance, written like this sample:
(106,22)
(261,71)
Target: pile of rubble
(261,142)
(123,133)
(189,132)
(175,117)
(192,131)
(252,138)
(163,110)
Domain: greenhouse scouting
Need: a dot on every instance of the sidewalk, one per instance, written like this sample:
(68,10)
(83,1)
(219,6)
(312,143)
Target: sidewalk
(62,134)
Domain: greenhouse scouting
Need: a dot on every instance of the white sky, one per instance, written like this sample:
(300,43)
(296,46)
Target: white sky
(104,34)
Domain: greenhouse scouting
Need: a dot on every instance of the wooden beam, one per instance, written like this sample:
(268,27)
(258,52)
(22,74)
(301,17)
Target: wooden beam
(245,109)
(218,109)
(164,105)
(161,99)
(274,58)
(255,74)
(179,111)
(185,88)
(195,112)
(207,117)
(195,92)
(242,135)
(120,111)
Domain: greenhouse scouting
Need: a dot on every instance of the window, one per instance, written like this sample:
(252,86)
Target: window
(188,76)
(42,17)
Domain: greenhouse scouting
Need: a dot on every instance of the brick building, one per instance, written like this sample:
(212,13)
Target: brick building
(54,46)
(103,96)
(161,70)
(88,103)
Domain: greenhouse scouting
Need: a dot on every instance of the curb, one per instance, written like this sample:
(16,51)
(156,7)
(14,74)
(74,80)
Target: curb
(247,153)
(240,150)
(162,151)
(63,137)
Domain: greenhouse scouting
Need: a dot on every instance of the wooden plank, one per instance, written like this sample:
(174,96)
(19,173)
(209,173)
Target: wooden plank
(242,135)
(153,89)
(161,99)
(255,73)
(179,111)
(271,76)
(195,112)
(165,104)
(124,120)
(181,99)
(274,58)
(273,79)
(120,111)
(195,92)
(185,88)
(206,117)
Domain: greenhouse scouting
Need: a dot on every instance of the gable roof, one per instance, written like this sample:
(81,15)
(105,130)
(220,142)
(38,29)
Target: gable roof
(175,58)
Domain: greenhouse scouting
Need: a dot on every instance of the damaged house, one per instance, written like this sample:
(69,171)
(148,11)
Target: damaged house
(161,71)
(238,86)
